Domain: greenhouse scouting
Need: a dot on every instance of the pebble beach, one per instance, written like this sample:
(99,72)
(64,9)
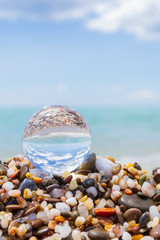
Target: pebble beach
(103,199)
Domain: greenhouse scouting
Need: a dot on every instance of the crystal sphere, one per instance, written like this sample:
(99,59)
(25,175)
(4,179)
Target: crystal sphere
(56,139)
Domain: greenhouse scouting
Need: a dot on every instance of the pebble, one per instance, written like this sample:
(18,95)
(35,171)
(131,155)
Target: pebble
(37,223)
(3,170)
(88,182)
(8,186)
(148,189)
(28,183)
(153,211)
(137,166)
(132,214)
(93,191)
(133,201)
(56,193)
(144,219)
(42,231)
(98,234)
(155,232)
(157,178)
(51,187)
(105,165)
(156,198)
(116,168)
(90,163)
(24,169)
(13,207)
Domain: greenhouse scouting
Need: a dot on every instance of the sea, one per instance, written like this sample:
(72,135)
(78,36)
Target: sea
(129,134)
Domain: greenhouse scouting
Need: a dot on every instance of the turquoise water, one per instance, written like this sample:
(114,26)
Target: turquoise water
(128,134)
(58,152)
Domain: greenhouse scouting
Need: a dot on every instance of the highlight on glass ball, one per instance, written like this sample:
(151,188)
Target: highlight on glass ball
(56,139)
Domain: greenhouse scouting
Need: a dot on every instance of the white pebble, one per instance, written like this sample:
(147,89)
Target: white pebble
(76,235)
(92,190)
(78,195)
(79,221)
(64,230)
(82,209)
(148,189)
(154,212)
(105,165)
(101,204)
(8,186)
(69,194)
(147,238)
(116,187)
(126,236)
(130,183)
(71,201)
(54,213)
(122,183)
(63,207)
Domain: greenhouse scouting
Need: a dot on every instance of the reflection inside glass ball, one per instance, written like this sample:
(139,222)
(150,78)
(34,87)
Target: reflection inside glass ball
(56,139)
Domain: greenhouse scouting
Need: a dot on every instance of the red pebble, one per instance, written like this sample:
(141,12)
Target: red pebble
(105,211)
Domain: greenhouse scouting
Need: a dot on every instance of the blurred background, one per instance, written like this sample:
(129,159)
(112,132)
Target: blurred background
(98,57)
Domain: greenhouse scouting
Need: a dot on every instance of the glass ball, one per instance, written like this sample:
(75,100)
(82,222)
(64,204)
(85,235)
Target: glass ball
(56,139)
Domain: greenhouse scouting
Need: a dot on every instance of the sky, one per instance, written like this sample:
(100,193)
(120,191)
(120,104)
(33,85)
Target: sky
(78,52)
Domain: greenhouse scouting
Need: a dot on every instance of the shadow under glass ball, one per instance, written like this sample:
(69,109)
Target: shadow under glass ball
(56,139)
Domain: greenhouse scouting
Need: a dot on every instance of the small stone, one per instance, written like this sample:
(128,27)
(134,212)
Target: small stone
(98,233)
(126,236)
(14,193)
(116,168)
(157,178)
(56,193)
(144,219)
(74,215)
(90,163)
(137,166)
(13,207)
(76,235)
(24,169)
(92,190)
(37,223)
(155,232)
(71,201)
(21,230)
(88,182)
(27,194)
(133,201)
(79,221)
(142,195)
(3,170)
(51,187)
(142,179)
(132,214)
(67,179)
(42,231)
(153,210)
(8,186)
(73,185)
(27,183)
(156,198)
(148,189)
(105,165)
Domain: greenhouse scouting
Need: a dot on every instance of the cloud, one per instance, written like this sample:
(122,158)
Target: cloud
(144,94)
(137,17)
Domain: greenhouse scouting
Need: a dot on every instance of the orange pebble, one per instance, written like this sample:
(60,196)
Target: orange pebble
(137,237)
(110,158)
(137,177)
(60,219)
(105,211)
(128,165)
(37,179)
(128,191)
(108,226)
